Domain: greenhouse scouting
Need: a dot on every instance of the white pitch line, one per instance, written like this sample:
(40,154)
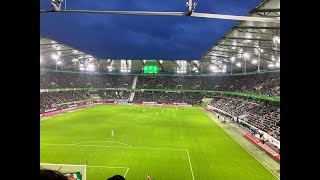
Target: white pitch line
(108,167)
(104,141)
(126,173)
(243,146)
(190,164)
(160,148)
(62,164)
(111,146)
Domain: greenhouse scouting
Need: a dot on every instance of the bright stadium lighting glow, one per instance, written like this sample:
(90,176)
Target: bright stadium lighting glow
(213,67)
(238,64)
(270,65)
(276,39)
(55,57)
(254,61)
(224,67)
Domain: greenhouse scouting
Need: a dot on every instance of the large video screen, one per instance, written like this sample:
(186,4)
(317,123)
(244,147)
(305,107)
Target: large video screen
(150,69)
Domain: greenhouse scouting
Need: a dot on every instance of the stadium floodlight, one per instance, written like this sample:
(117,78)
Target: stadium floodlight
(213,67)
(224,67)
(238,64)
(254,61)
(55,56)
(276,40)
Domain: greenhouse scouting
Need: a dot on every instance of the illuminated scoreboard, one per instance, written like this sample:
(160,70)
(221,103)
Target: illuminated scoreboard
(150,69)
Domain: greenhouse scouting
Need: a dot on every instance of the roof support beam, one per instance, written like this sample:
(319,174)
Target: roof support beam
(252,39)
(256,27)
(160,65)
(49,44)
(56,50)
(267,12)
(251,47)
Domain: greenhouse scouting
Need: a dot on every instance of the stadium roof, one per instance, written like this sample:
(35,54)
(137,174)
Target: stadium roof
(241,43)
(248,37)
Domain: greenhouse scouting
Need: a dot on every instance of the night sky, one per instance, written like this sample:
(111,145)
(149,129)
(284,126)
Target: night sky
(141,37)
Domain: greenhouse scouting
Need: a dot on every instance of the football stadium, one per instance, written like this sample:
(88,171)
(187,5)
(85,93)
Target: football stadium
(115,115)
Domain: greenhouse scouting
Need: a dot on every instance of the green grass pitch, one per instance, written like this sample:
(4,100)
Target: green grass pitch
(165,142)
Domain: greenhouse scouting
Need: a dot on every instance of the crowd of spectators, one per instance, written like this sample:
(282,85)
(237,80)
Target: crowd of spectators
(51,79)
(48,100)
(113,95)
(262,84)
(262,114)
(168,97)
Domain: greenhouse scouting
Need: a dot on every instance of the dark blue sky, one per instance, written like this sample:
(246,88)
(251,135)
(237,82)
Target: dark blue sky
(141,37)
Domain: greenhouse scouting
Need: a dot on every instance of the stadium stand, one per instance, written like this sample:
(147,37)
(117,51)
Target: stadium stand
(262,114)
(168,98)
(259,113)
(49,79)
(262,84)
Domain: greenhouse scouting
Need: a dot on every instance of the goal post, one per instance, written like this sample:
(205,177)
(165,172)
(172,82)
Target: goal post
(79,171)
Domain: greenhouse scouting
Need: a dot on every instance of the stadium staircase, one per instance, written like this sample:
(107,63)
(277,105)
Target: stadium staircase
(135,79)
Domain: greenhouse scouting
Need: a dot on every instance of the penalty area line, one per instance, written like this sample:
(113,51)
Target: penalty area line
(190,164)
